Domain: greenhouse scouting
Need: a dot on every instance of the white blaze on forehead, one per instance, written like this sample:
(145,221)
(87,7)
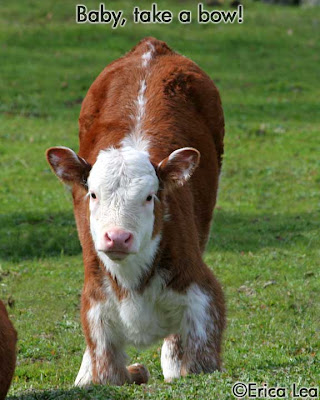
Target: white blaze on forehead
(125,171)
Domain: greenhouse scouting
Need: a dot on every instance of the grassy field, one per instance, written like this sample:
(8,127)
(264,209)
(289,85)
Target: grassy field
(265,243)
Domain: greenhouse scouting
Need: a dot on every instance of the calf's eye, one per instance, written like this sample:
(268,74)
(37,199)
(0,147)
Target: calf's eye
(93,195)
(149,198)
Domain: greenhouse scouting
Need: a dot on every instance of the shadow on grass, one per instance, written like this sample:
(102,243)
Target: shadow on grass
(32,235)
(107,392)
(251,232)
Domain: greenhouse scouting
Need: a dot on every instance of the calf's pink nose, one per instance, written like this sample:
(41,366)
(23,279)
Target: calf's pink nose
(118,240)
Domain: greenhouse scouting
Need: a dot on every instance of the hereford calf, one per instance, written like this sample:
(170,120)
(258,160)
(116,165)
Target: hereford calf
(8,339)
(143,201)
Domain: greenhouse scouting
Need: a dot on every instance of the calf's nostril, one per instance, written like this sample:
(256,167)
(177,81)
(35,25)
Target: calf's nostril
(128,238)
(107,237)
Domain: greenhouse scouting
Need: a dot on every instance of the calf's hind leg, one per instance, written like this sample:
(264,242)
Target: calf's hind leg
(171,357)
(203,327)
(200,358)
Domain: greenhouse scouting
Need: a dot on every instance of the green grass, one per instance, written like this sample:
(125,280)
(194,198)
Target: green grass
(265,237)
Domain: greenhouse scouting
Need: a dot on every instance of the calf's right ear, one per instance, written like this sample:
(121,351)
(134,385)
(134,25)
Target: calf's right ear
(68,166)
(177,169)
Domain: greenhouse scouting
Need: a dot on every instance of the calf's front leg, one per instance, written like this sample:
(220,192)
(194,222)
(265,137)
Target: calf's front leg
(104,361)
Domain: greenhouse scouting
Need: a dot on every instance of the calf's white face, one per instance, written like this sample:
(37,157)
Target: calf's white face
(122,186)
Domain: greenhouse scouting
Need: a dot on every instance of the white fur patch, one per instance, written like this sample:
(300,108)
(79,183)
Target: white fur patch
(102,329)
(84,376)
(197,321)
(147,56)
(97,329)
(170,362)
(140,106)
(141,102)
(108,341)
(137,134)
(145,318)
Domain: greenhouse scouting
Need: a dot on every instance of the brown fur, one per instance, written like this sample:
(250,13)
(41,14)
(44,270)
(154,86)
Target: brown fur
(183,110)
(8,339)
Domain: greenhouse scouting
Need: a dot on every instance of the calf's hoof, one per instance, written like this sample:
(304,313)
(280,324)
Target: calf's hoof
(138,374)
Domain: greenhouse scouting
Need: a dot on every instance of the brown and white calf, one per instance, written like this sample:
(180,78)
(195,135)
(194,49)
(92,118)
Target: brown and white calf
(143,201)
(8,339)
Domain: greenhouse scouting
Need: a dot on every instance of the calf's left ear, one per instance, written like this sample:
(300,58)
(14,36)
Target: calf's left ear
(176,169)
(68,166)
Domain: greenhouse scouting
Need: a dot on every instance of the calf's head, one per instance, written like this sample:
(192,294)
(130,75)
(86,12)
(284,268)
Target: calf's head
(123,190)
